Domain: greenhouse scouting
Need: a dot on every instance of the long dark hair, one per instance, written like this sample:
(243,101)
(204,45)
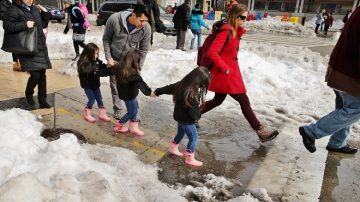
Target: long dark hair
(87,56)
(193,87)
(130,65)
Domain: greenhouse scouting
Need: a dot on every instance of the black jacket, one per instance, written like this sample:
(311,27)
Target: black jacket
(181,17)
(76,20)
(87,76)
(130,90)
(15,21)
(3,8)
(182,113)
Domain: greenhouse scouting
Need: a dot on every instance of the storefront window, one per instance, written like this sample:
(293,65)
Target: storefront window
(274,6)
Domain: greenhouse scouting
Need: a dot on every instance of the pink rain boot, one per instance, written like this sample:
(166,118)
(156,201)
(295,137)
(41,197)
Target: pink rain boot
(174,149)
(190,159)
(120,128)
(102,114)
(134,128)
(87,115)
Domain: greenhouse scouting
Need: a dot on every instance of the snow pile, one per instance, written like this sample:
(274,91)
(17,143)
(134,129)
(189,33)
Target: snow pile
(273,25)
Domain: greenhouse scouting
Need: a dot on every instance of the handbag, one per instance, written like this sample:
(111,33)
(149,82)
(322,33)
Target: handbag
(21,43)
(78,37)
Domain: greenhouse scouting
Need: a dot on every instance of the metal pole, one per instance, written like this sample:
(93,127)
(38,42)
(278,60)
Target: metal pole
(301,6)
(297,6)
(252,5)
(249,4)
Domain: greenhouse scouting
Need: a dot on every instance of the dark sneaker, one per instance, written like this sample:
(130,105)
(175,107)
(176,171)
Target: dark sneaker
(345,149)
(308,142)
(75,58)
(45,105)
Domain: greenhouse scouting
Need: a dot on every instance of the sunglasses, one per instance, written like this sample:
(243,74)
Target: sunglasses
(242,17)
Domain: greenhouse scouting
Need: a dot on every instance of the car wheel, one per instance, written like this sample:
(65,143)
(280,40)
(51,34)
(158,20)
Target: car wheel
(59,21)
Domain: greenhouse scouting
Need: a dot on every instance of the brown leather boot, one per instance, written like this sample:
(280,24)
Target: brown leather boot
(265,135)
(16,67)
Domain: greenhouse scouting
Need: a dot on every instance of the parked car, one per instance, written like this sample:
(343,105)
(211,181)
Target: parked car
(107,8)
(57,14)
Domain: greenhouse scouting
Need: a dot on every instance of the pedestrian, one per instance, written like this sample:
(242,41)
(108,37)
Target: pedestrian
(75,20)
(188,96)
(154,21)
(346,17)
(88,64)
(123,31)
(196,21)
(324,16)
(226,77)
(129,81)
(318,21)
(23,15)
(343,77)
(328,22)
(181,21)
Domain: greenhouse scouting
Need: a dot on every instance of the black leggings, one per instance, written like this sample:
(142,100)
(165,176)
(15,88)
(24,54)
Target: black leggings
(244,104)
(38,78)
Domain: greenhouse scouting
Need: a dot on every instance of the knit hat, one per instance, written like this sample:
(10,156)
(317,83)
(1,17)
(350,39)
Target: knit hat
(68,2)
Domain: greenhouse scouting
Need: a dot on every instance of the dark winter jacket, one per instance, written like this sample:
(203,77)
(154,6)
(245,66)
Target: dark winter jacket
(182,113)
(181,17)
(130,90)
(3,7)
(344,64)
(15,21)
(75,19)
(87,76)
(154,21)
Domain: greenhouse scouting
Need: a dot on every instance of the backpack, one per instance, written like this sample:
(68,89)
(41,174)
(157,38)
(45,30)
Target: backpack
(202,58)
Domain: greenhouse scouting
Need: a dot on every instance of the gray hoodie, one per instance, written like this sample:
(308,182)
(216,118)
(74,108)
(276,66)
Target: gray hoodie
(117,40)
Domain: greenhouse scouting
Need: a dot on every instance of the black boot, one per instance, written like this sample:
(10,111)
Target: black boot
(43,104)
(30,103)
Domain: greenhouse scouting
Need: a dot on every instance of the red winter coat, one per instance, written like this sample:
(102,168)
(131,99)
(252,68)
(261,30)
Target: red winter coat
(221,82)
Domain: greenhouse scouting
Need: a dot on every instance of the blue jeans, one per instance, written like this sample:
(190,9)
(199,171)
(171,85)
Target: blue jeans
(93,95)
(196,32)
(192,134)
(132,110)
(338,122)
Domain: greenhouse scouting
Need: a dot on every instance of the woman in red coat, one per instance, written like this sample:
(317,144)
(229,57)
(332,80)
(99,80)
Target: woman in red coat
(226,77)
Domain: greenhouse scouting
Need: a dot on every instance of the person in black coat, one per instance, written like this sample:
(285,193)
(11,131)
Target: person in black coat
(154,21)
(75,20)
(181,21)
(24,15)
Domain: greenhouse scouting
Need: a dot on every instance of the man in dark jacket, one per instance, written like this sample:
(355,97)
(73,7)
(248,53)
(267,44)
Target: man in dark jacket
(75,20)
(343,75)
(154,21)
(181,21)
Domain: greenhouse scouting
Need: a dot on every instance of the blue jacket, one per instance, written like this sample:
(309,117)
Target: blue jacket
(196,19)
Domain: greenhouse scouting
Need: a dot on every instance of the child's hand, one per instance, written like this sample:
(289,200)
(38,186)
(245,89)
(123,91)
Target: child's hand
(153,94)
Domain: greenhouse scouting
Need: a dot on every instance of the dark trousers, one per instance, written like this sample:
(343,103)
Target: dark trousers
(38,78)
(76,46)
(14,57)
(244,104)
(317,28)
(132,111)
(180,38)
(92,95)
(326,28)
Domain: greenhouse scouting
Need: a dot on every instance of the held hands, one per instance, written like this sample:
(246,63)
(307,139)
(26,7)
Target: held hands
(111,62)
(30,24)
(153,94)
